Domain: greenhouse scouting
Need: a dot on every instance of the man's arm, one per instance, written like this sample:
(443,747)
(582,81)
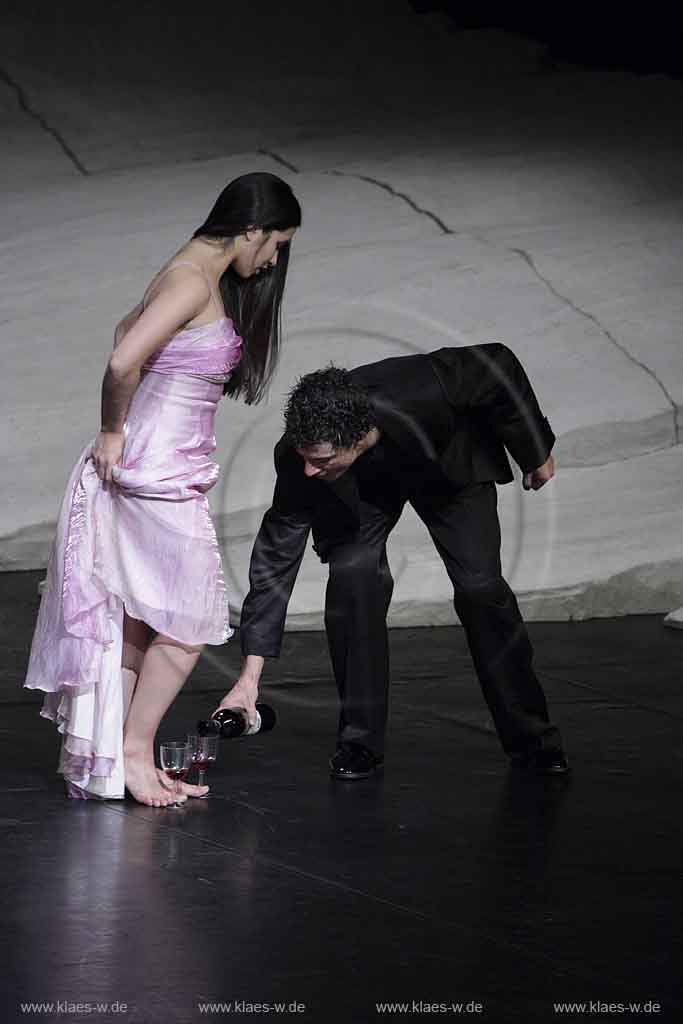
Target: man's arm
(275,560)
(490,381)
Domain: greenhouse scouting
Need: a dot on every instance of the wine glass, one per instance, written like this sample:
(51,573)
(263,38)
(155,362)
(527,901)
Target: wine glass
(176,760)
(204,751)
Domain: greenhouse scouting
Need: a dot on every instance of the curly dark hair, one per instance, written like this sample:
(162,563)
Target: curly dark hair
(326,407)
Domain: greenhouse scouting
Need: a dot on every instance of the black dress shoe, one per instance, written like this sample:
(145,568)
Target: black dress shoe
(545,762)
(354,761)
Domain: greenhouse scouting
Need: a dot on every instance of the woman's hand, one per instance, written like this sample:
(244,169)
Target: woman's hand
(106,453)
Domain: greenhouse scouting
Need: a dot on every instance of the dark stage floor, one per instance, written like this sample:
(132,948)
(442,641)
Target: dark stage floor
(449,880)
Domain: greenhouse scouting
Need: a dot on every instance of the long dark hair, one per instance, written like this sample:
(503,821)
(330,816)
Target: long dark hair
(257,200)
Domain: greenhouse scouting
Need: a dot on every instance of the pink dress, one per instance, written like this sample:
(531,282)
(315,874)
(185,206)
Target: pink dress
(145,543)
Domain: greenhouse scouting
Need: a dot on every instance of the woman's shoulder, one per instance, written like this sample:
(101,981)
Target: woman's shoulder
(178,293)
(183,282)
(176,274)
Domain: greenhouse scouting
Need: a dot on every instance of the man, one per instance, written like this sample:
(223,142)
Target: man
(430,429)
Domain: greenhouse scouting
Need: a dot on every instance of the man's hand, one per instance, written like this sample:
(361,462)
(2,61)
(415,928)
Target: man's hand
(533,481)
(244,693)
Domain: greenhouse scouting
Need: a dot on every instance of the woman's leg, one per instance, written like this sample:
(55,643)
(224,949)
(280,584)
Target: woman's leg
(165,667)
(137,637)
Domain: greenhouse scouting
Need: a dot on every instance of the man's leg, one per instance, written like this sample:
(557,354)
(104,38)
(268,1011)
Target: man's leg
(357,600)
(465,529)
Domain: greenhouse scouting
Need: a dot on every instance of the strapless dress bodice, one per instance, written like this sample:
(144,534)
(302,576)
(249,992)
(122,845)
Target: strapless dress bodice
(211,351)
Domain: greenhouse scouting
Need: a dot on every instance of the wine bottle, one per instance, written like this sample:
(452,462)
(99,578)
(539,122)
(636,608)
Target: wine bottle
(232,722)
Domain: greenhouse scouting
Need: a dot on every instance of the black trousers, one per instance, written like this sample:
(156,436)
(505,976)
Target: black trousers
(465,529)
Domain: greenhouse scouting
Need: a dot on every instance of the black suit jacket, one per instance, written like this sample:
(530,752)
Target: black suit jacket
(451,412)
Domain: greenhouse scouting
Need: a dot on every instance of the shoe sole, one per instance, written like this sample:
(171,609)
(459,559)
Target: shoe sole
(529,767)
(353,776)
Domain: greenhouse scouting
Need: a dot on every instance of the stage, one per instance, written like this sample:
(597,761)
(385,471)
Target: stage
(452,884)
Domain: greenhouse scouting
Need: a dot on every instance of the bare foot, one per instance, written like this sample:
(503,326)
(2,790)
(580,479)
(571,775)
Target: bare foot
(142,782)
(185,787)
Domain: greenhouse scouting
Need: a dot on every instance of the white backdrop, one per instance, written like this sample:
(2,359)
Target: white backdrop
(470,203)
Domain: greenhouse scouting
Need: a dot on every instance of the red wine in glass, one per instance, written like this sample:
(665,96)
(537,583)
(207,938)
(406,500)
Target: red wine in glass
(176,760)
(204,752)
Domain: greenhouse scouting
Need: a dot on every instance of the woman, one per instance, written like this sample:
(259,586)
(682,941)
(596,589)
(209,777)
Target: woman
(135,585)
